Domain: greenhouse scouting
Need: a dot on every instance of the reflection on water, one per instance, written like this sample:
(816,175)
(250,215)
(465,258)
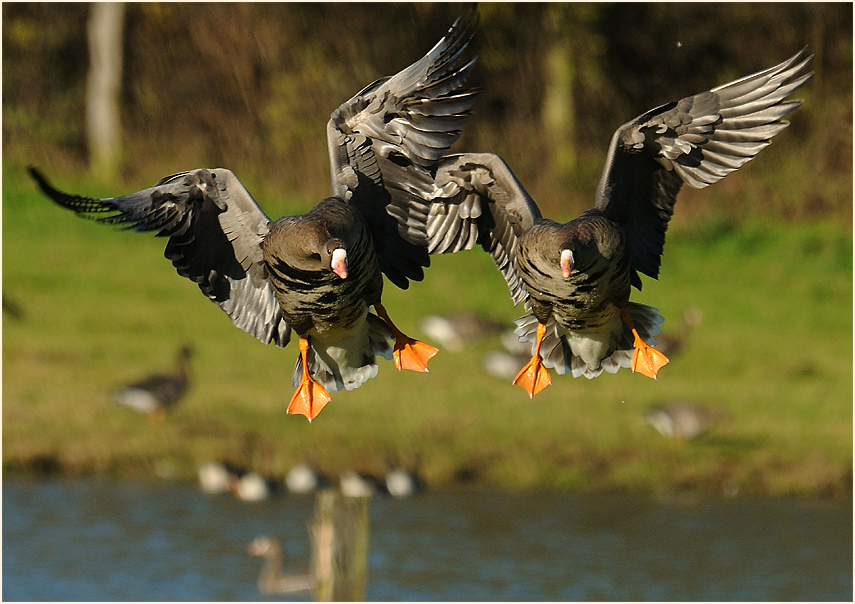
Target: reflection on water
(102,540)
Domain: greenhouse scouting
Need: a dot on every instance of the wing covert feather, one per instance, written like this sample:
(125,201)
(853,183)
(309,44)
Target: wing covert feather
(384,144)
(479,200)
(215,230)
(696,141)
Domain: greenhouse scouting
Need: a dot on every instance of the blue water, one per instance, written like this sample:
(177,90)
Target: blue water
(122,540)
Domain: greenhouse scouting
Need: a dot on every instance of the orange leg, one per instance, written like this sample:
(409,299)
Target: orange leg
(310,396)
(408,353)
(534,377)
(646,359)
(157,417)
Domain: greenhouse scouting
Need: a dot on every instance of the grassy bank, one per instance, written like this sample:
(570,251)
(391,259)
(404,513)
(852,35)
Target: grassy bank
(101,308)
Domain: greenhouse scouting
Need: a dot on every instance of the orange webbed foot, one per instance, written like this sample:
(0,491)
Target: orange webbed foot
(408,352)
(309,398)
(534,377)
(412,354)
(646,360)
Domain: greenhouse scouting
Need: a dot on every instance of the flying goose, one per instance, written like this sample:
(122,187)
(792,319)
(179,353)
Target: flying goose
(271,580)
(575,278)
(157,393)
(319,273)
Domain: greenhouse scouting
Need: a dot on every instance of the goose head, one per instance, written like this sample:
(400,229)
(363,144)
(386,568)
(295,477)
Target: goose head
(334,256)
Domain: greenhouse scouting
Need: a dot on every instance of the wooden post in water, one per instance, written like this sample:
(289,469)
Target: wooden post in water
(340,545)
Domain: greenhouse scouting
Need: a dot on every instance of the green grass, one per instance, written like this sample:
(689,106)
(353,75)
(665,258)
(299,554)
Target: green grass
(103,307)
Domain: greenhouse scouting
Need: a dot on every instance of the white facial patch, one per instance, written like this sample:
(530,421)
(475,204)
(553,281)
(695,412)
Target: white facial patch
(339,262)
(566,263)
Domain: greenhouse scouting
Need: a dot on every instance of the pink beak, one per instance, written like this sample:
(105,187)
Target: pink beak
(339,262)
(566,263)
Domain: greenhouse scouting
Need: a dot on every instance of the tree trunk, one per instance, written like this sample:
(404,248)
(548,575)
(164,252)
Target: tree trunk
(558,113)
(102,95)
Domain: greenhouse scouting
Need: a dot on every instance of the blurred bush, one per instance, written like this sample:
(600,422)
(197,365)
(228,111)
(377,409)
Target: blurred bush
(251,86)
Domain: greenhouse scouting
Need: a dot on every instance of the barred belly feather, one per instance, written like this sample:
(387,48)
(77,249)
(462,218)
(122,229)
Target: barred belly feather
(585,330)
(331,312)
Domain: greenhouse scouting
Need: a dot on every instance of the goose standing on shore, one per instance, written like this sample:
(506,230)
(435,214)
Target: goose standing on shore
(682,421)
(319,273)
(157,393)
(576,277)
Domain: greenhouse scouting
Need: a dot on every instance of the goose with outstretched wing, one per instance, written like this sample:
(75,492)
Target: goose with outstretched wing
(576,277)
(319,273)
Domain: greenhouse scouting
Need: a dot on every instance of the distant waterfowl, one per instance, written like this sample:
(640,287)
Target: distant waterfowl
(576,277)
(682,421)
(319,273)
(12,308)
(503,365)
(251,486)
(271,580)
(354,484)
(455,332)
(507,364)
(402,483)
(156,394)
(303,479)
(214,478)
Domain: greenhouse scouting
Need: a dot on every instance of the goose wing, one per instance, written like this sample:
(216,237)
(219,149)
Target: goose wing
(478,200)
(215,230)
(697,141)
(385,141)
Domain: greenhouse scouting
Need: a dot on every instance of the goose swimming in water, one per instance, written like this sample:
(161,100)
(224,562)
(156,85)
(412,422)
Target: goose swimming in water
(271,580)
(576,278)
(319,273)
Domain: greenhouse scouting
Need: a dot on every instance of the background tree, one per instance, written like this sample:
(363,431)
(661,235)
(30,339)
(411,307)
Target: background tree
(103,126)
(251,86)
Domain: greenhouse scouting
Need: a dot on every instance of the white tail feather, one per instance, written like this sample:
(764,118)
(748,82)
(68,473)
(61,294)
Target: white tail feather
(567,351)
(346,360)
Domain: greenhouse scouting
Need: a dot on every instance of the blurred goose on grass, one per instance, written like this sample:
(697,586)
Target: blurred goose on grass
(455,332)
(681,421)
(319,273)
(576,277)
(671,343)
(271,579)
(158,393)
(507,364)
(503,365)
(12,308)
